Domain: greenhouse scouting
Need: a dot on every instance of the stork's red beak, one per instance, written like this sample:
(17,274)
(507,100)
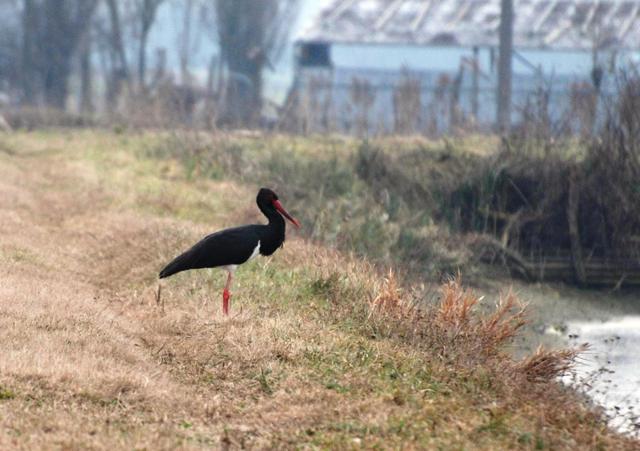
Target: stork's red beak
(283,212)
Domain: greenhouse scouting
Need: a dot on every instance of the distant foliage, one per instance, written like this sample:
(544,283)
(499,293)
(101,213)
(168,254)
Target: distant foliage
(549,193)
(362,97)
(407,104)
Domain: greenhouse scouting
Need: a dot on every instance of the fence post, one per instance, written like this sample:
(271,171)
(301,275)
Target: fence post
(475,87)
(504,66)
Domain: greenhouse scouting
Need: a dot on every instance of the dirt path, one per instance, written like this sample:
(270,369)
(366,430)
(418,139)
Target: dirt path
(76,369)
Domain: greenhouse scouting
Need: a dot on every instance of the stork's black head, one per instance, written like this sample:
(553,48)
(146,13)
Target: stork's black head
(268,202)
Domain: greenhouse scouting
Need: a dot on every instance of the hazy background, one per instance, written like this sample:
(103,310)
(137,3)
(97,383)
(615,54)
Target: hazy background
(392,153)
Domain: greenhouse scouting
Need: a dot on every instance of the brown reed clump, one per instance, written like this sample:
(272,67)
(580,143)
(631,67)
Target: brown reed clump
(544,365)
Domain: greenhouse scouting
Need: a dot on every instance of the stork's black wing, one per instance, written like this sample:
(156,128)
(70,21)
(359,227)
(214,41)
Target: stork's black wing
(226,247)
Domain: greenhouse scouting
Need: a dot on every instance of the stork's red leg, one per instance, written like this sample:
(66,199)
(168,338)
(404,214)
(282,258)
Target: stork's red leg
(226,295)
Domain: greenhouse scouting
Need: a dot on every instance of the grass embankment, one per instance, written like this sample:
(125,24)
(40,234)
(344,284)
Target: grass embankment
(436,207)
(320,350)
(388,200)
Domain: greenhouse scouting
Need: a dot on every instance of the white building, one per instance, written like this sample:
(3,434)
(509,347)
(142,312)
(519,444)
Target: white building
(431,65)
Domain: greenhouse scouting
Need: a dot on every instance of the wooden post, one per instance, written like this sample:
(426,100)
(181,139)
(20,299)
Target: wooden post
(504,66)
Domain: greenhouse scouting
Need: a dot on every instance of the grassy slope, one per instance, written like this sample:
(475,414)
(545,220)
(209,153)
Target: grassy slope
(381,199)
(89,360)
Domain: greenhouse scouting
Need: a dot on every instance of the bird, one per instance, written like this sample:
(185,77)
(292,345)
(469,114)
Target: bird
(232,247)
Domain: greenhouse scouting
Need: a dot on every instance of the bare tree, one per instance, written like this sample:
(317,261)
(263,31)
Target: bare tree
(10,57)
(190,16)
(146,12)
(30,54)
(117,40)
(251,35)
(65,22)
(117,54)
(86,76)
(51,33)
(184,41)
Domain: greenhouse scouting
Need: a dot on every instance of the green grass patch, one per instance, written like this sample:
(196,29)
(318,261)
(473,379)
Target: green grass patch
(6,394)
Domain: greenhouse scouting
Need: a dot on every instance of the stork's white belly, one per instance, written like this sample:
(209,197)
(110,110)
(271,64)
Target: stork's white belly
(232,268)
(255,252)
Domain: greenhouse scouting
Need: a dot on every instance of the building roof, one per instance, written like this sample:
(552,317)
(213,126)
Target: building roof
(538,24)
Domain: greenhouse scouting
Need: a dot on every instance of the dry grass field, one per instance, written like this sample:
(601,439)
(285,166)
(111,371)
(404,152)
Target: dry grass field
(320,350)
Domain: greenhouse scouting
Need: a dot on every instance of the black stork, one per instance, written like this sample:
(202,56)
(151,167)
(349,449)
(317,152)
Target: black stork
(232,247)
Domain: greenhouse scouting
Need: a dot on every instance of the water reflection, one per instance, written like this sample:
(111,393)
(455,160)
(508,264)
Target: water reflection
(611,367)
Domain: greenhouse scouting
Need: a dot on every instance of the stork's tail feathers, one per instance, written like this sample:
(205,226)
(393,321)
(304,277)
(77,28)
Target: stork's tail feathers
(180,263)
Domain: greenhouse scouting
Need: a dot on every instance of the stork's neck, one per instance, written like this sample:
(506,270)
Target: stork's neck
(272,235)
(276,221)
